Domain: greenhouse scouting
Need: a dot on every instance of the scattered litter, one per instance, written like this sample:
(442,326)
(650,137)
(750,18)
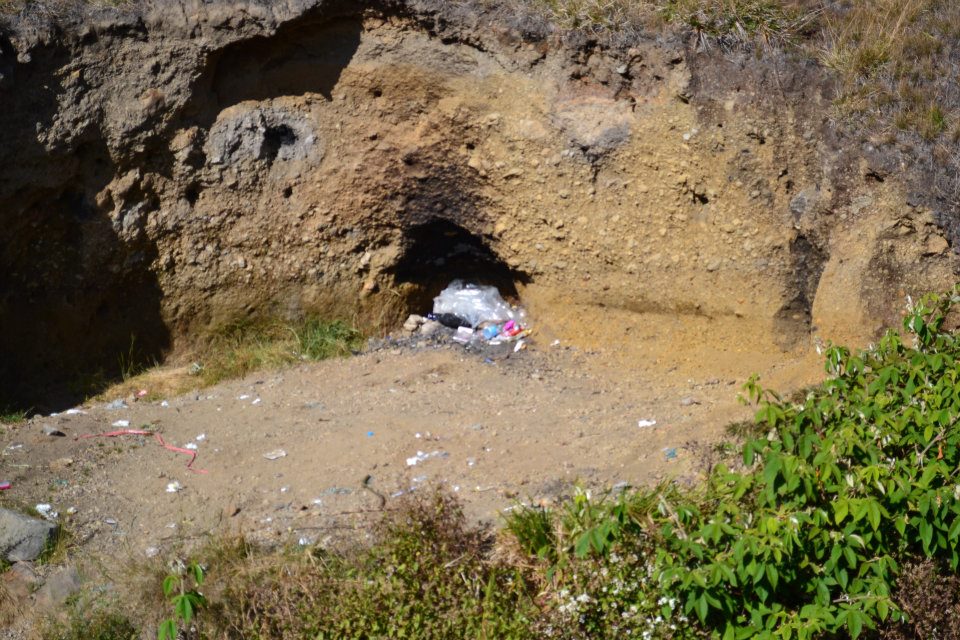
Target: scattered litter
(151,552)
(464,335)
(142,393)
(670,453)
(71,511)
(317,501)
(448,320)
(243,397)
(305,541)
(123,424)
(689,401)
(397,494)
(620,486)
(157,436)
(456,488)
(643,424)
(555,343)
(421,479)
(47,511)
(369,434)
(14,447)
(337,491)
(275,454)
(201,437)
(417,435)
(164,404)
(75,412)
(521,345)
(53,432)
(110,521)
(471,462)
(423,457)
(284,489)
(257,401)
(475,304)
(116,405)
(174,487)
(192,446)
(5,486)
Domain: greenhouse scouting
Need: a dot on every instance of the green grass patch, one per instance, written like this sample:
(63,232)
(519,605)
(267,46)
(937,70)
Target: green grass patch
(9,417)
(244,347)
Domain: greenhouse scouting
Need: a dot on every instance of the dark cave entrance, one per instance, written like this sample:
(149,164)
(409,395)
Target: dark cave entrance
(438,252)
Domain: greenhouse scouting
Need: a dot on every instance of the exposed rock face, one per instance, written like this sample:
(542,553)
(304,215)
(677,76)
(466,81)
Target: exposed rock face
(166,172)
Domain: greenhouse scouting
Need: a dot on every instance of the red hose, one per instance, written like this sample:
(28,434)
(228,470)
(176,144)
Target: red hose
(139,432)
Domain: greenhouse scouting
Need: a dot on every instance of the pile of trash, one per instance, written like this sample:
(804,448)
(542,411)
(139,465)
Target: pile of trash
(476,313)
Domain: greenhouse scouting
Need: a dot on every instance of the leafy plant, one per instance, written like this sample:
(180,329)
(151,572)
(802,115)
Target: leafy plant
(185,601)
(843,486)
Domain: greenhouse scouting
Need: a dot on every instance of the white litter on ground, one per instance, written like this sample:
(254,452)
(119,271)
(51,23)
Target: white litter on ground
(423,457)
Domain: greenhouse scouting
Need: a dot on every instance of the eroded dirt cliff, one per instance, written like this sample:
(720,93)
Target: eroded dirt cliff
(171,170)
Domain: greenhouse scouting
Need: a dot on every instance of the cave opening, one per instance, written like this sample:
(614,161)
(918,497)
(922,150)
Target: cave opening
(438,252)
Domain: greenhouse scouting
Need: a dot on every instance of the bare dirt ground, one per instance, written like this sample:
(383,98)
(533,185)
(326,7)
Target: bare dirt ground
(497,429)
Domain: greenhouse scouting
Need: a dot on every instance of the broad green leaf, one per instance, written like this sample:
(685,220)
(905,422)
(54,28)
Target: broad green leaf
(167,630)
(840,510)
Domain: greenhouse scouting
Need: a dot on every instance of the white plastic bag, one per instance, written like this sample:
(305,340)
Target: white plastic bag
(476,304)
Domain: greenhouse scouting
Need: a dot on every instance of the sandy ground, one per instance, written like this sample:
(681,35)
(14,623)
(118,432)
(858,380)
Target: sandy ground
(495,428)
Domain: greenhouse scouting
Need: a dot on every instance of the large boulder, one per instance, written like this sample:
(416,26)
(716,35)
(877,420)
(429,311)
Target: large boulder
(23,538)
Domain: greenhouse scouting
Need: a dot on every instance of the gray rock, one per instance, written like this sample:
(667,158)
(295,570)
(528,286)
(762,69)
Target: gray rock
(430,327)
(805,202)
(265,134)
(23,538)
(413,323)
(59,586)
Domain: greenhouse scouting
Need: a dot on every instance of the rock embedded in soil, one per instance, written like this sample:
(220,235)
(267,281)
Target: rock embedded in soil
(57,588)
(23,538)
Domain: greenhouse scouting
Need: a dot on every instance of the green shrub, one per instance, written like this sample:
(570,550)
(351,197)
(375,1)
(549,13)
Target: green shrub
(848,484)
